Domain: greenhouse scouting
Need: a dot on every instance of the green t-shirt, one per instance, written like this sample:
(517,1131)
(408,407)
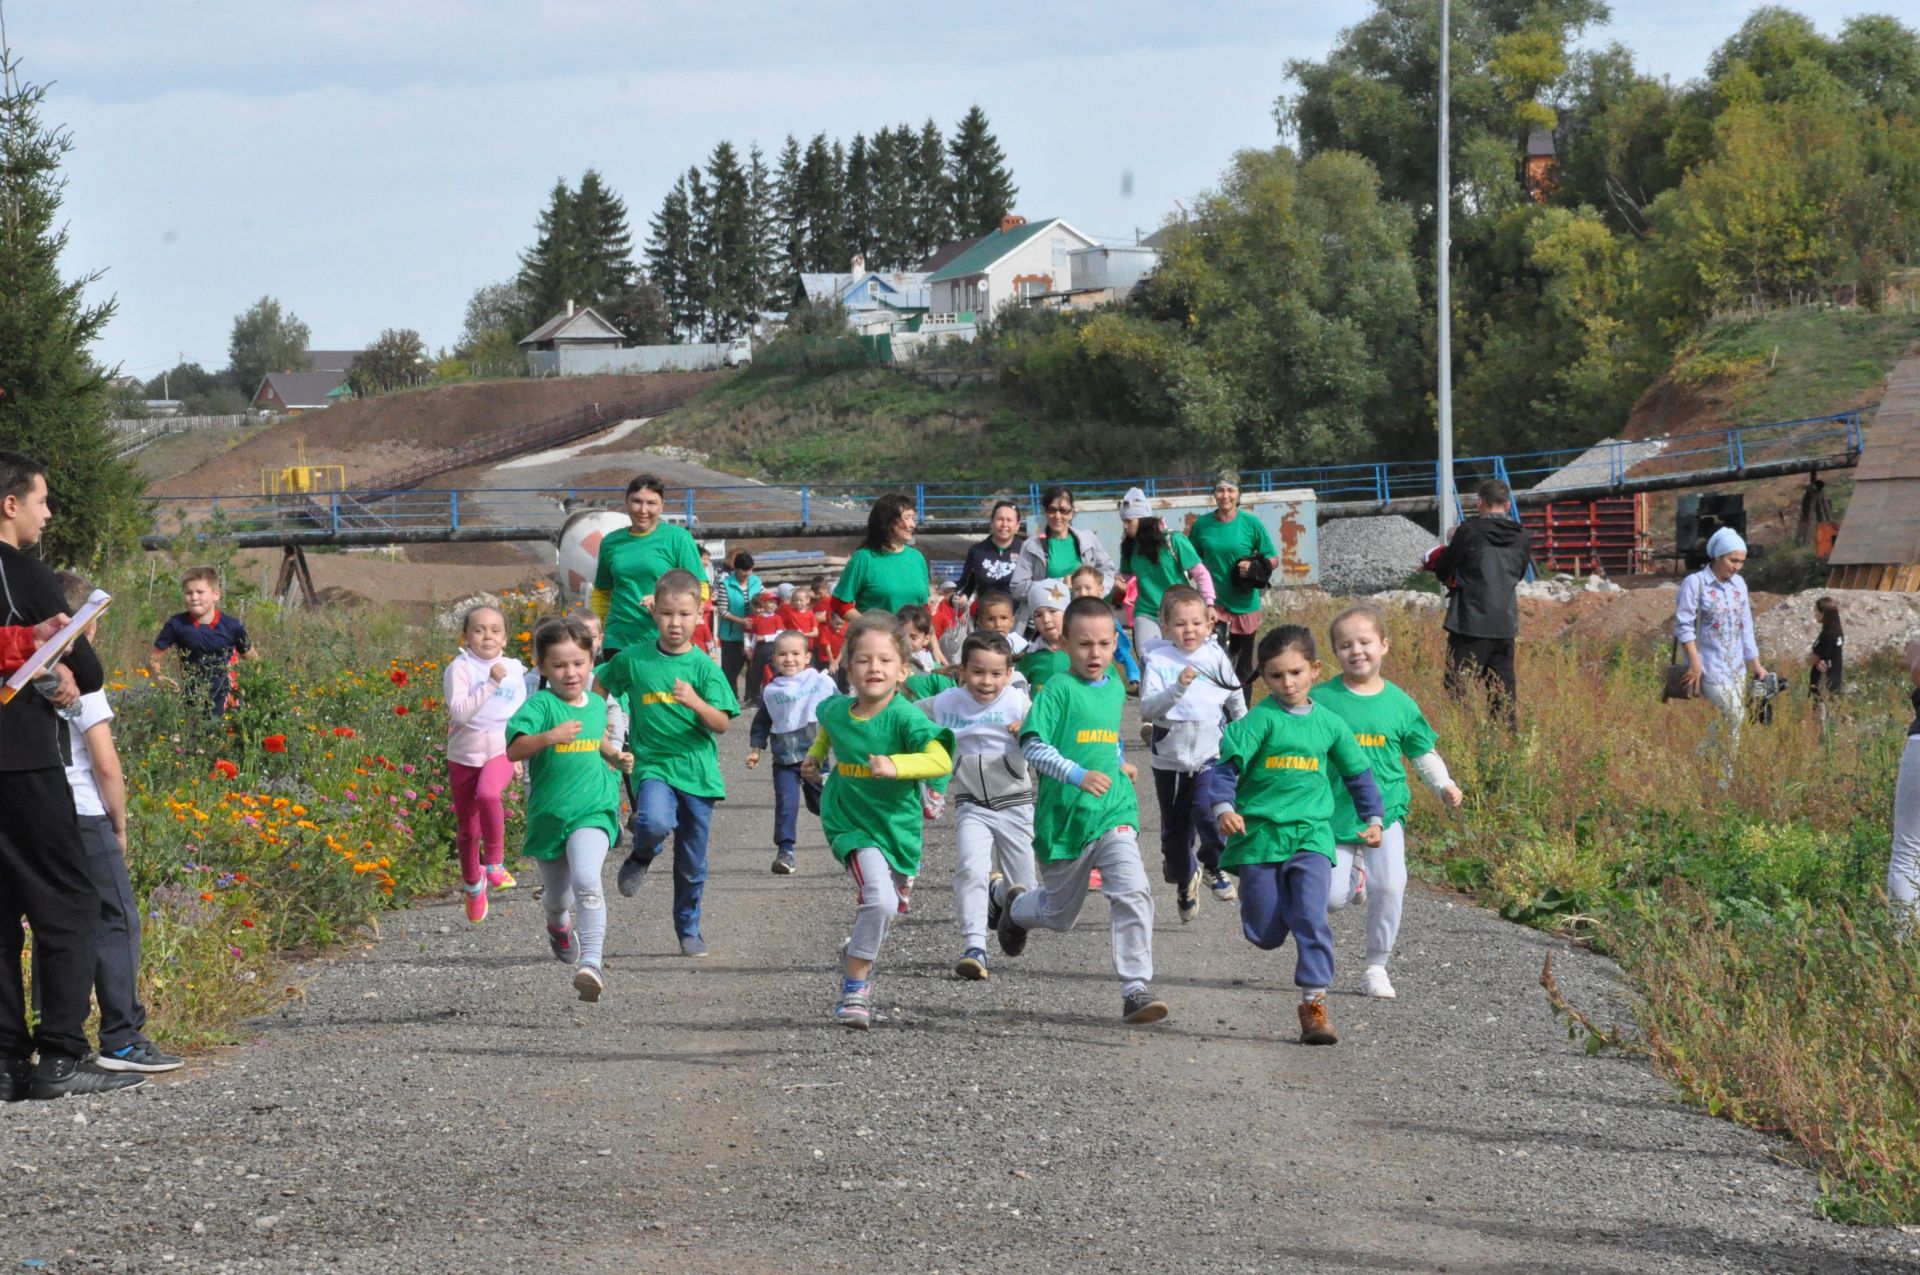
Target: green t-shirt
(926,685)
(628,568)
(885,581)
(1157,575)
(1285,760)
(1387,727)
(1040,667)
(666,737)
(1221,544)
(1083,722)
(570,786)
(1063,557)
(856,808)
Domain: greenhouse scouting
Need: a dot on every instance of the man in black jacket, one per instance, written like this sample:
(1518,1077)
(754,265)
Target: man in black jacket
(43,875)
(1488,556)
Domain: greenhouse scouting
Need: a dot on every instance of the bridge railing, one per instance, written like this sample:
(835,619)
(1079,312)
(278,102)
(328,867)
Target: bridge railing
(1727,452)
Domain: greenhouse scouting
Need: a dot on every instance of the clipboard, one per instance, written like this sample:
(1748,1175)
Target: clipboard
(53,648)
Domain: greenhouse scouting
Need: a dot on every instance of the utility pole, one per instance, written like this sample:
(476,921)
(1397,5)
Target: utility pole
(1448,500)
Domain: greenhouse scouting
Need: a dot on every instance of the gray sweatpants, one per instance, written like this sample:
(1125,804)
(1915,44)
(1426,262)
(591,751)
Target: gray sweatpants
(1386,887)
(573,881)
(988,839)
(880,888)
(1903,865)
(116,970)
(1056,903)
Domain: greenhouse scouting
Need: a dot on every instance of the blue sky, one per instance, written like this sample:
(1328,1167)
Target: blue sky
(370,164)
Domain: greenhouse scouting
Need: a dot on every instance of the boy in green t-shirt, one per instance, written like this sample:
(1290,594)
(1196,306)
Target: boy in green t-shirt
(1270,798)
(573,801)
(1085,814)
(1387,726)
(1044,659)
(679,702)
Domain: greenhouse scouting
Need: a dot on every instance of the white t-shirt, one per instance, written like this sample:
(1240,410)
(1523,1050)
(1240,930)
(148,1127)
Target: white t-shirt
(88,713)
(977,727)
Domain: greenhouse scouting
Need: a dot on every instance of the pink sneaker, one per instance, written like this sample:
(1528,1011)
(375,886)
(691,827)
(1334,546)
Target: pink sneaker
(498,878)
(906,895)
(477,903)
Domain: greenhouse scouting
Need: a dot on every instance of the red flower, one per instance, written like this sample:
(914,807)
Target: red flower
(399,710)
(344,732)
(274,743)
(226,769)
(398,677)
(247,921)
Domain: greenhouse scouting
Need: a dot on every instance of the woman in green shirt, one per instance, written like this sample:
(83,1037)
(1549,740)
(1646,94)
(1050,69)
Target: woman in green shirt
(1155,559)
(631,560)
(1226,538)
(887,572)
(1057,552)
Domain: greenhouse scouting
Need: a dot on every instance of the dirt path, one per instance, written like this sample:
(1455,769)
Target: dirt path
(440,1102)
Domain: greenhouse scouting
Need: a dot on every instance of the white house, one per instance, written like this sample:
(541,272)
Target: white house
(1019,261)
(575,328)
(861,289)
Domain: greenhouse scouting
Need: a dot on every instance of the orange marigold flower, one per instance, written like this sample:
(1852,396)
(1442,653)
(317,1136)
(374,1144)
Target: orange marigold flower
(206,897)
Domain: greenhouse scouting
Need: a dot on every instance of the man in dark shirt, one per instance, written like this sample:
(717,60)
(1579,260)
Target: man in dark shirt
(43,875)
(1485,561)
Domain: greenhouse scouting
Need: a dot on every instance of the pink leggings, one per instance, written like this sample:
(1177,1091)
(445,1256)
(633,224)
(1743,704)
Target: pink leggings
(478,816)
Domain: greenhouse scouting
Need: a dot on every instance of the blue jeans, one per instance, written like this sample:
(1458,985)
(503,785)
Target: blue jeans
(1281,898)
(659,809)
(789,790)
(1181,823)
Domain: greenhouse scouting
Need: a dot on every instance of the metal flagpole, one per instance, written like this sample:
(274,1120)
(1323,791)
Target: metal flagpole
(1448,500)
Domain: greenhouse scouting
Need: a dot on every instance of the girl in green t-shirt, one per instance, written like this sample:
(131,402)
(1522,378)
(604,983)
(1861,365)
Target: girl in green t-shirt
(882,748)
(573,801)
(1269,796)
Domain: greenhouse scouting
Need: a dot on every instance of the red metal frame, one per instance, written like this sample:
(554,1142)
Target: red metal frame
(1608,536)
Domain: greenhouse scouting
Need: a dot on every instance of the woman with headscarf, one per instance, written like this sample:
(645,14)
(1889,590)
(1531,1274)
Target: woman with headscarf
(1155,559)
(1713,621)
(1226,539)
(1058,551)
(886,572)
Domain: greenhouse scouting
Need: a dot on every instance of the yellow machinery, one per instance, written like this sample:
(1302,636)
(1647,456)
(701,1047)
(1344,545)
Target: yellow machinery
(302,479)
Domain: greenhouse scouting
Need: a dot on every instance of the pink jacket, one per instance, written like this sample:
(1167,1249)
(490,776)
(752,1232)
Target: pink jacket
(478,707)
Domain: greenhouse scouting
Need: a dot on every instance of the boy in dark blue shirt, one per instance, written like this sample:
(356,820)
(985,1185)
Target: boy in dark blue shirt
(211,644)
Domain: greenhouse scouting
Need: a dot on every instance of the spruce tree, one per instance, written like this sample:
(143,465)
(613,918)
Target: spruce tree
(982,188)
(550,270)
(604,243)
(699,269)
(734,291)
(893,236)
(820,206)
(856,209)
(791,223)
(768,293)
(53,396)
(670,256)
(932,204)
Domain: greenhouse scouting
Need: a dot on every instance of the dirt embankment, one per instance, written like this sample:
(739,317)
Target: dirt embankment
(372,436)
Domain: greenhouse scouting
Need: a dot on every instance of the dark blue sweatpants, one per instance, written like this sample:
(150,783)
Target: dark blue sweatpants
(1277,899)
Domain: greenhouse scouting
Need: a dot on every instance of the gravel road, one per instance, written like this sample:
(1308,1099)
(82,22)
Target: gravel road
(440,1102)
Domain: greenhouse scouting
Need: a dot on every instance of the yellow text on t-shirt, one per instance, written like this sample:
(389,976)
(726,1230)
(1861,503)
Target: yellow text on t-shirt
(1370,741)
(657,697)
(1287,761)
(853,770)
(578,745)
(1098,737)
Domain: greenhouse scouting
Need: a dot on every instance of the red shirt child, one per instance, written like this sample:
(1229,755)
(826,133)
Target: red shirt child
(797,613)
(828,641)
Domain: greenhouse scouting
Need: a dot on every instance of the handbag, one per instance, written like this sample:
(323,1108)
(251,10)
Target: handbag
(1675,685)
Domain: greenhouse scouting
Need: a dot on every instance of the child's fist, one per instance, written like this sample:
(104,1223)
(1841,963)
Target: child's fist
(1453,796)
(1187,675)
(498,672)
(810,771)
(1370,836)
(1130,770)
(753,758)
(565,733)
(881,766)
(1230,823)
(1096,782)
(683,693)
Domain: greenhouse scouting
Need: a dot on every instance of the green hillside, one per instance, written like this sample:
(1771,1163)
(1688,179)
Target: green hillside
(1795,363)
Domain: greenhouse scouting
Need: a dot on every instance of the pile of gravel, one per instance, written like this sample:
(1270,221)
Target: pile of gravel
(1367,555)
(1565,588)
(1595,466)
(1874,622)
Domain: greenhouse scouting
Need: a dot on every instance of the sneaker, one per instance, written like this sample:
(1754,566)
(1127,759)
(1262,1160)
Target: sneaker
(1222,885)
(633,871)
(1315,1029)
(693,945)
(1376,984)
(14,1079)
(476,902)
(58,1076)
(498,878)
(1013,938)
(561,941)
(973,964)
(1142,1007)
(993,908)
(141,1055)
(783,864)
(1187,897)
(587,982)
(1359,882)
(855,1010)
(1094,880)
(906,895)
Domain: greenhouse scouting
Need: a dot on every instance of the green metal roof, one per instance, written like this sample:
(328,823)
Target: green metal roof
(989,250)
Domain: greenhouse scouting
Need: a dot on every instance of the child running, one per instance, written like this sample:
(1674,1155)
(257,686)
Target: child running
(1087,582)
(763,626)
(992,792)
(785,723)
(1085,816)
(1270,797)
(994,613)
(1047,600)
(1188,694)
(212,643)
(483,690)
(882,748)
(680,703)
(573,804)
(1386,725)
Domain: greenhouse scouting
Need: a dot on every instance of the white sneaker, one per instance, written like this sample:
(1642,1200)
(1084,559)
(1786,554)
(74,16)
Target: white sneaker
(1376,984)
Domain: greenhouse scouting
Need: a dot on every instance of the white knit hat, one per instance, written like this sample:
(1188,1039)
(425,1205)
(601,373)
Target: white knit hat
(1049,593)
(1135,504)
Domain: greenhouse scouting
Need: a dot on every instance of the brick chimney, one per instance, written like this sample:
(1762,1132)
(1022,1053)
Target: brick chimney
(1011,220)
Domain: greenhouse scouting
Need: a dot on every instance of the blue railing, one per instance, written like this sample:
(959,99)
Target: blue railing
(1709,453)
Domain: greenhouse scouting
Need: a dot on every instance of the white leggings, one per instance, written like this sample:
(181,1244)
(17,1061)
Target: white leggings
(987,840)
(1386,888)
(574,881)
(1903,865)
(880,888)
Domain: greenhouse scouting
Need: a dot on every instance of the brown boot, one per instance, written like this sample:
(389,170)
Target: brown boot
(1314,1027)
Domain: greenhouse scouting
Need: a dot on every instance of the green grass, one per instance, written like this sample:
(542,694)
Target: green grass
(176,454)
(879,424)
(1790,364)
